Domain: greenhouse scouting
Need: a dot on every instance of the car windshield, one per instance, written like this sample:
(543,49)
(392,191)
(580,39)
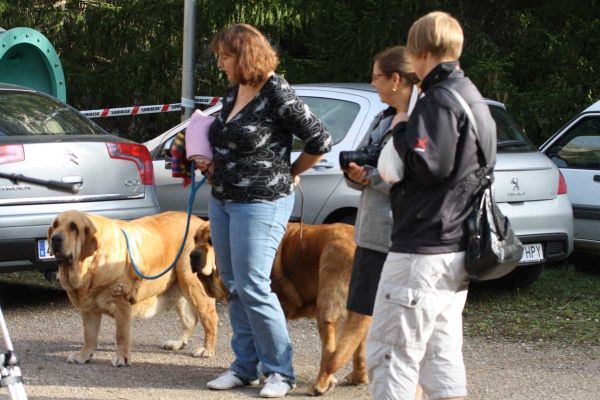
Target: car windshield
(32,114)
(511,139)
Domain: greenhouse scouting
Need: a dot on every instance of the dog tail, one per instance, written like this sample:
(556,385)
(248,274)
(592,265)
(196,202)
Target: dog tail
(353,332)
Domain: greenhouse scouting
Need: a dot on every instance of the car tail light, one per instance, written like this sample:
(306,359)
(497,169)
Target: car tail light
(562,185)
(137,153)
(10,153)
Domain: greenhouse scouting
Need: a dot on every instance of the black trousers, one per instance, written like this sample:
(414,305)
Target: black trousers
(366,271)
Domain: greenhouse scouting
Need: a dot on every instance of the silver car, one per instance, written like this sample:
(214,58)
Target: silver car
(43,138)
(528,186)
(575,149)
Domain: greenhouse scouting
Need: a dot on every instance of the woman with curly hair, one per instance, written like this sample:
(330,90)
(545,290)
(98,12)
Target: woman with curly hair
(252,198)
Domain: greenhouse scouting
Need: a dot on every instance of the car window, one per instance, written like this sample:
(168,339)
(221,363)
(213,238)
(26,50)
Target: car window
(337,116)
(32,114)
(580,147)
(511,139)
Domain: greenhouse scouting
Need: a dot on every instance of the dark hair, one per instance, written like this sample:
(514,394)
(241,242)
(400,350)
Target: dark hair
(394,60)
(255,55)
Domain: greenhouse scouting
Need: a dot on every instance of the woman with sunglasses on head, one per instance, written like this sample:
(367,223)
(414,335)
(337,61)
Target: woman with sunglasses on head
(394,79)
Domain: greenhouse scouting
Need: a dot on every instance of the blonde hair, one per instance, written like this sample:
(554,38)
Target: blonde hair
(438,33)
(255,55)
(394,60)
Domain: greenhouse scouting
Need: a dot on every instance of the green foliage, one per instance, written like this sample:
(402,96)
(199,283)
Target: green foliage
(539,57)
(562,306)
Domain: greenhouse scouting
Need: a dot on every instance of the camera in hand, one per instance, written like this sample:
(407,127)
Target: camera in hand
(366,156)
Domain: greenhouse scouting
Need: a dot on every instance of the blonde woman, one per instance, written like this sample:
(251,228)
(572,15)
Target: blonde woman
(416,332)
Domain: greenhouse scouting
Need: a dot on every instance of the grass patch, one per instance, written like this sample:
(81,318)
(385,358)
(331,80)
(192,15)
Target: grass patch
(563,305)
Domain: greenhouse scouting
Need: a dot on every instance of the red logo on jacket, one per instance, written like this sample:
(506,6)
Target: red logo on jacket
(421,145)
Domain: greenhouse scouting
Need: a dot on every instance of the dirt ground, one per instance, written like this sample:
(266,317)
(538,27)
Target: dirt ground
(45,328)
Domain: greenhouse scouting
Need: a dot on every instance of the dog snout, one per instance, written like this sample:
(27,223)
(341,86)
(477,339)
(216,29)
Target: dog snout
(56,241)
(196,261)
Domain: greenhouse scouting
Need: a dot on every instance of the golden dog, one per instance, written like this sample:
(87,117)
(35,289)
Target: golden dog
(95,269)
(314,285)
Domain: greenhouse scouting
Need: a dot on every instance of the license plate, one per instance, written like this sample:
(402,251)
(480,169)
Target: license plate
(44,250)
(532,252)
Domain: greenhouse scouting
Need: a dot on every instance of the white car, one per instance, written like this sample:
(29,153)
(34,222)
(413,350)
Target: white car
(528,189)
(575,149)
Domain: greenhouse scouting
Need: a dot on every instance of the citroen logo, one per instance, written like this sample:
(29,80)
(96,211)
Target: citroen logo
(515,183)
(71,157)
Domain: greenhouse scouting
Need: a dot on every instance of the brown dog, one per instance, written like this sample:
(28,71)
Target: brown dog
(314,285)
(95,269)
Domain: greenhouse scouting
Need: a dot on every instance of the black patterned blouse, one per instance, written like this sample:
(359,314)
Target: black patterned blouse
(251,153)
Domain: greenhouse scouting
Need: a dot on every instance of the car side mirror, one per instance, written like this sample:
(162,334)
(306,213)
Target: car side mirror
(167,153)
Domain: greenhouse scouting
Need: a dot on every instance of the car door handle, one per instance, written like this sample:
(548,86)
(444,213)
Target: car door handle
(168,162)
(73,179)
(597,178)
(323,165)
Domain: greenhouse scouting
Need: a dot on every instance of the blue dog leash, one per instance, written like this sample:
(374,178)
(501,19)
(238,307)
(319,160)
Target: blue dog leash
(194,189)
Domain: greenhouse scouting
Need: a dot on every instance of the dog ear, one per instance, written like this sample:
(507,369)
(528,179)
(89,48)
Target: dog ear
(205,235)
(49,238)
(90,243)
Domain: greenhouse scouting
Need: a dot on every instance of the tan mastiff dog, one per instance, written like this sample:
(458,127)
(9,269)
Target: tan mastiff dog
(95,269)
(311,284)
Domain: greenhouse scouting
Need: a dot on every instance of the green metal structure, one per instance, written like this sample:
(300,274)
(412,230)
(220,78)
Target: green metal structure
(27,58)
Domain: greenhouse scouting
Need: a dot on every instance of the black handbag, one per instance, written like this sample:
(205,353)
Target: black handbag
(493,249)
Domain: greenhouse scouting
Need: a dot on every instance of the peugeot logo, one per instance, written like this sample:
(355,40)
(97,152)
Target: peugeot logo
(71,157)
(515,183)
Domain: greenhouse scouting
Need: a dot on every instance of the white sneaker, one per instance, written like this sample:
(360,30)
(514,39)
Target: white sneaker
(230,380)
(276,386)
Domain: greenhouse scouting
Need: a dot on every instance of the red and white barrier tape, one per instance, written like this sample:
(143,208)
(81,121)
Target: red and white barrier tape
(136,110)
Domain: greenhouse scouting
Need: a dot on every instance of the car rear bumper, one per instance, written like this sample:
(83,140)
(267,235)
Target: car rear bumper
(21,255)
(19,243)
(556,246)
(549,222)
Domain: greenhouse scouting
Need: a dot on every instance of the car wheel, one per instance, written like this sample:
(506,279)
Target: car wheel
(521,277)
(349,219)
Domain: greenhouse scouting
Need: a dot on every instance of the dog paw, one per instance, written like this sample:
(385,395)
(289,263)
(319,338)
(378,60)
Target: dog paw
(121,361)
(77,358)
(174,345)
(357,381)
(319,390)
(203,352)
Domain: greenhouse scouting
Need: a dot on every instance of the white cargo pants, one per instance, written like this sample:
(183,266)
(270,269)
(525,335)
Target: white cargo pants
(416,332)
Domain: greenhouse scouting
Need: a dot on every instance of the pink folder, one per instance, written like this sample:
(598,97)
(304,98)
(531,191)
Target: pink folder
(197,145)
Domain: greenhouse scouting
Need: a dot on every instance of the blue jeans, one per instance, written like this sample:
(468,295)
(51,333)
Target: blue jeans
(246,237)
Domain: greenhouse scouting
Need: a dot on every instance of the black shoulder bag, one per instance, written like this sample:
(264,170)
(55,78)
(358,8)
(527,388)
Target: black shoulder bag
(493,249)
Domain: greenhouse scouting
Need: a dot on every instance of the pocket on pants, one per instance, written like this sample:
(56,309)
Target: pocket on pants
(399,316)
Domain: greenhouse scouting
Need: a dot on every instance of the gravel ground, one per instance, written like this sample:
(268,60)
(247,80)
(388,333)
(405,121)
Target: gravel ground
(45,328)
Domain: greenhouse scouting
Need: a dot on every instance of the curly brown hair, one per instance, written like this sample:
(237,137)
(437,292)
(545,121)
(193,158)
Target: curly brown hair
(256,58)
